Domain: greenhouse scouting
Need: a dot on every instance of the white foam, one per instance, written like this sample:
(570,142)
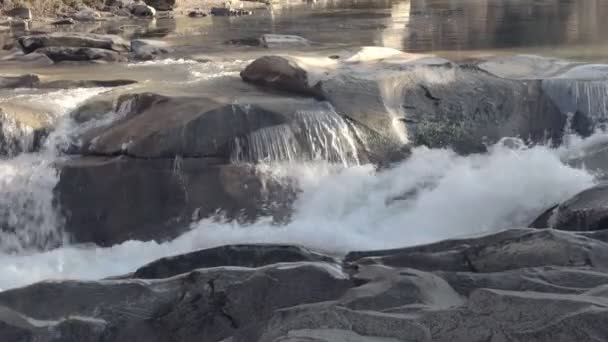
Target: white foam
(354,209)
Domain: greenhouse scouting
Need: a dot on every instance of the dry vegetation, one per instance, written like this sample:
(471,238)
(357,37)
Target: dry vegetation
(51,7)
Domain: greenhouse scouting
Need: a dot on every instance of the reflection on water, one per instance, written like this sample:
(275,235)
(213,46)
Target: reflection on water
(576,28)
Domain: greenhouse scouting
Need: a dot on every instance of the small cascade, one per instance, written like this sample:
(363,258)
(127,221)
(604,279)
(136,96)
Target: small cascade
(15,137)
(28,217)
(589,97)
(318,134)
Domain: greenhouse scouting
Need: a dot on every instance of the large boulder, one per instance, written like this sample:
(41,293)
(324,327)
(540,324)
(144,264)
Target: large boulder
(108,200)
(586,211)
(80,54)
(74,40)
(161,5)
(418,99)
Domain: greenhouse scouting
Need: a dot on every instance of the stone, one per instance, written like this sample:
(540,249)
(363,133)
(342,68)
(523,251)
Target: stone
(161,5)
(73,40)
(86,14)
(34,58)
(22,128)
(20,12)
(147,49)
(23,81)
(64,21)
(80,54)
(68,84)
(273,41)
(197,13)
(232,255)
(143,10)
(109,200)
(412,99)
(272,293)
(586,211)
(229,12)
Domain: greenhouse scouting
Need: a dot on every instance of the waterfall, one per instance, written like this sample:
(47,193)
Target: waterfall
(312,134)
(589,97)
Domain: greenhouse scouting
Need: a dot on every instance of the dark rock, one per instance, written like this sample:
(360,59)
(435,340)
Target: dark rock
(109,200)
(586,211)
(244,41)
(23,81)
(64,21)
(67,84)
(281,73)
(233,255)
(161,5)
(300,295)
(197,13)
(20,12)
(92,110)
(418,100)
(143,10)
(80,54)
(74,40)
(229,12)
(511,249)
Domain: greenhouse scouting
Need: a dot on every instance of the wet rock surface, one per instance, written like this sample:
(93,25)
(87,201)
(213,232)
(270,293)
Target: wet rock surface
(418,99)
(510,286)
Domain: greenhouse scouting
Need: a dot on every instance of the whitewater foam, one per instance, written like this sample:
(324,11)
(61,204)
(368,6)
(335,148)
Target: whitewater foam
(433,195)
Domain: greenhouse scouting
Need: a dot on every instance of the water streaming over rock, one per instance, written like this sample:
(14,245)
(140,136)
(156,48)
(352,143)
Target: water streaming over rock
(28,217)
(313,134)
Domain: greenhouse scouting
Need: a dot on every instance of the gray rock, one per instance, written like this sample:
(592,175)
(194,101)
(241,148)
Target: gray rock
(585,211)
(273,41)
(109,200)
(80,54)
(68,84)
(229,12)
(417,99)
(233,255)
(86,14)
(20,12)
(64,21)
(34,58)
(74,40)
(23,81)
(161,5)
(147,49)
(143,10)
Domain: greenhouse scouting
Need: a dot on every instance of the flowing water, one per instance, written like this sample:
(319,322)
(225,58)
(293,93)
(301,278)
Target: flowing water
(344,203)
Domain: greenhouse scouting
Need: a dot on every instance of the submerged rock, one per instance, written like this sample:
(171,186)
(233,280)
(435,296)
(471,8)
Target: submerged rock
(271,293)
(272,41)
(229,12)
(68,84)
(147,49)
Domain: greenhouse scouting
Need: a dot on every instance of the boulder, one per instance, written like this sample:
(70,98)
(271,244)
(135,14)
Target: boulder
(197,13)
(74,40)
(80,54)
(86,14)
(68,84)
(273,41)
(586,211)
(109,200)
(147,49)
(20,12)
(23,81)
(229,12)
(143,10)
(232,255)
(64,21)
(34,59)
(418,99)
(161,5)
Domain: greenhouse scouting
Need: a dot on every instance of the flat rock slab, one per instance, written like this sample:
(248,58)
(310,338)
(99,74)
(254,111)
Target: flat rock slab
(280,293)
(74,40)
